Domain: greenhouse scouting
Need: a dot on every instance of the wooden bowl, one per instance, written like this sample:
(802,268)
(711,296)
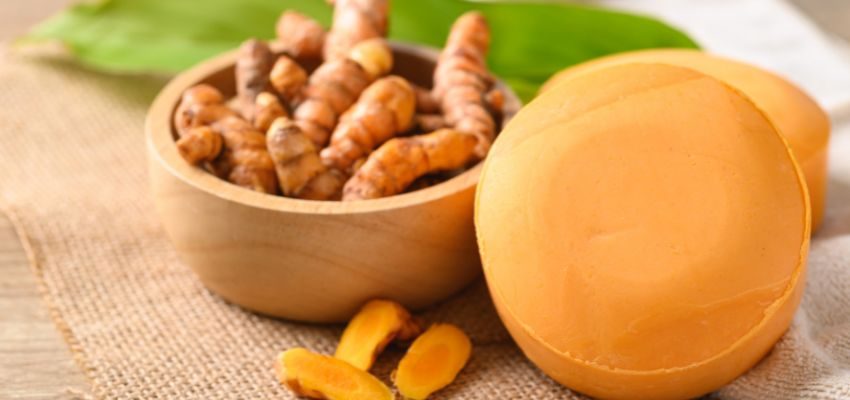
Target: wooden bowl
(316,261)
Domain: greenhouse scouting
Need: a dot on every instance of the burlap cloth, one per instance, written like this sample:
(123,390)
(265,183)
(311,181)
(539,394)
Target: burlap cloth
(73,180)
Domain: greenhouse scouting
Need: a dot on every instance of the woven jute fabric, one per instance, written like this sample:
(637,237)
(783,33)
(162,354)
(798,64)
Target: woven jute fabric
(141,326)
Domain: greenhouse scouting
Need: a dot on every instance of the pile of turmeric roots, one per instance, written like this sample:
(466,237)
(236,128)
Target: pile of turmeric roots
(432,361)
(348,130)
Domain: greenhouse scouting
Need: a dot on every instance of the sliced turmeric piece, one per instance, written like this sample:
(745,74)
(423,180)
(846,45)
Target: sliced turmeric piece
(371,330)
(432,362)
(323,377)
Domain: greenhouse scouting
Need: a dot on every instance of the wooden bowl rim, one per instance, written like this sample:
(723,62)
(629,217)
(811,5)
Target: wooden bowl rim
(161,145)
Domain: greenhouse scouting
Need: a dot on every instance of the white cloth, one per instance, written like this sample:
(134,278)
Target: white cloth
(769,33)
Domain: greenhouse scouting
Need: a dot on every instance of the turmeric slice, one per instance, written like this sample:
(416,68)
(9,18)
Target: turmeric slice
(353,22)
(432,362)
(371,330)
(384,109)
(397,163)
(461,80)
(299,169)
(323,377)
(301,36)
(334,87)
(199,145)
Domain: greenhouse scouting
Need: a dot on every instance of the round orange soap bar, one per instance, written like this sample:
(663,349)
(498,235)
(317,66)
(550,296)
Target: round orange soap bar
(644,230)
(797,116)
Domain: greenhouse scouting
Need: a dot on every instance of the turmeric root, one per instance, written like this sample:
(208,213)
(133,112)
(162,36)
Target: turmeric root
(339,103)
(323,377)
(252,74)
(461,80)
(200,105)
(334,87)
(374,56)
(495,100)
(425,182)
(267,108)
(199,145)
(202,94)
(425,101)
(384,109)
(398,162)
(325,186)
(429,122)
(299,169)
(371,330)
(244,159)
(288,78)
(353,22)
(432,362)
(302,37)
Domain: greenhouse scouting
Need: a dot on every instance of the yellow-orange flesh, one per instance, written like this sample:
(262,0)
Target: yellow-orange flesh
(643,230)
(432,362)
(371,330)
(803,123)
(323,377)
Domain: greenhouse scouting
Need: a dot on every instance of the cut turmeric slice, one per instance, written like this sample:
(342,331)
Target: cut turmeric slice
(432,362)
(323,377)
(372,329)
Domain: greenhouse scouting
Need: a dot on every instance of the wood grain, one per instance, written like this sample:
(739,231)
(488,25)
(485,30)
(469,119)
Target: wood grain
(35,363)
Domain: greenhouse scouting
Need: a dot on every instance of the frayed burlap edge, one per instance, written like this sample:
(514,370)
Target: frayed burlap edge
(76,349)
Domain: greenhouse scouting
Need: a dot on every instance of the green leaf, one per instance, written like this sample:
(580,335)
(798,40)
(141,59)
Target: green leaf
(530,41)
(163,35)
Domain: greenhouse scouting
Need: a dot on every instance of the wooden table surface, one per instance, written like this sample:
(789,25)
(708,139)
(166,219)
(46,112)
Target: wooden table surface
(35,363)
